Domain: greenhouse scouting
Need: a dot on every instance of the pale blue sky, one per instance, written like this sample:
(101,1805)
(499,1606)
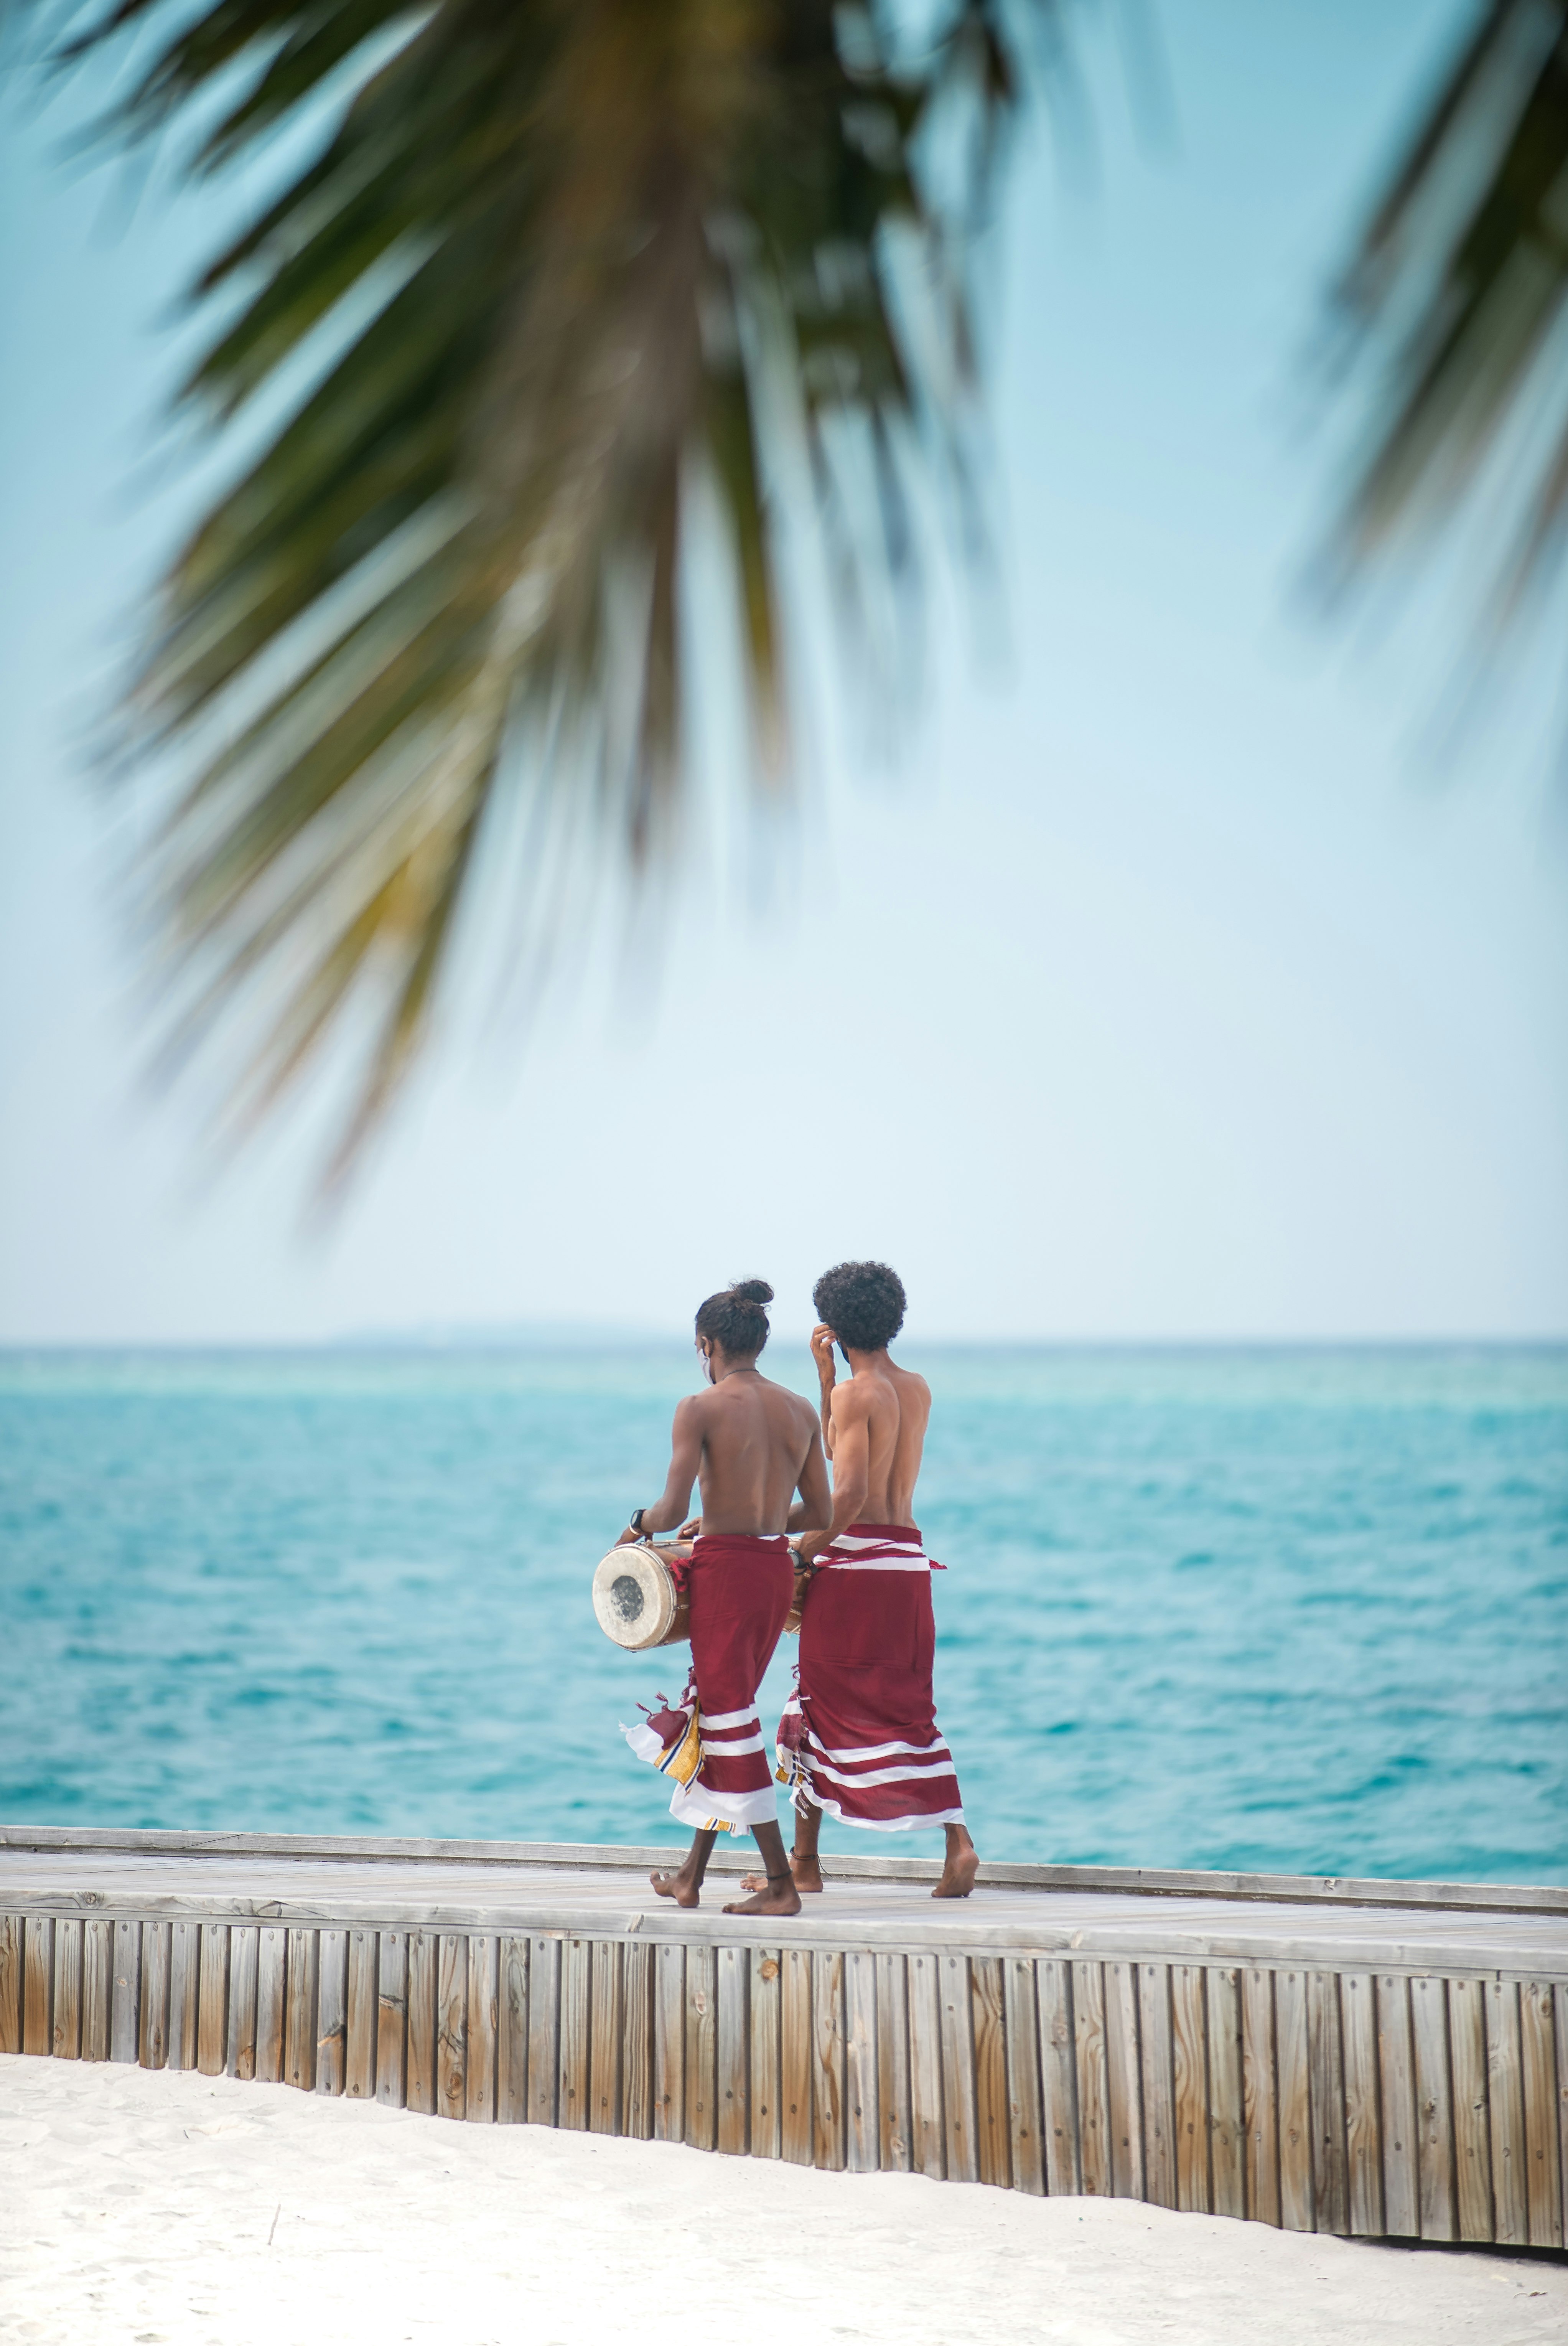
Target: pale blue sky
(1155,992)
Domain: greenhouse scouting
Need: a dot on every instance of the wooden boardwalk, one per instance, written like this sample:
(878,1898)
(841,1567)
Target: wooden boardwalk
(1353,2057)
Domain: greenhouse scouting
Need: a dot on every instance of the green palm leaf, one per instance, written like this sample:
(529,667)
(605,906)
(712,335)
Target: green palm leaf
(569,248)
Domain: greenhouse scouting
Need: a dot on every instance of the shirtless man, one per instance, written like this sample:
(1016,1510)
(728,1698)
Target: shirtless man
(752,1445)
(859,1738)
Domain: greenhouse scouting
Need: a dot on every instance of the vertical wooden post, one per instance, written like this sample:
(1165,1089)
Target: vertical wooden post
(1363,2103)
(239,2052)
(1543,2179)
(212,1999)
(512,2031)
(1189,2049)
(732,2030)
(1561,2001)
(97,1987)
(184,1993)
(391,2019)
(450,2026)
(958,2067)
(1058,2076)
(1124,2078)
(39,1985)
(1024,2119)
(300,2010)
(153,2046)
(827,2148)
(1396,2067)
(11,1965)
(571,2091)
(1293,2072)
(1094,2083)
(894,2123)
(638,2040)
(1472,2128)
(796,2056)
(419,2058)
(863,2125)
(1434,2109)
(763,2006)
(125,2003)
(272,1956)
(669,2044)
(1505,2092)
(1156,2070)
(993,2131)
(928,2127)
(1259,2092)
(604,2039)
(701,2130)
(333,2012)
(1226,2091)
(1326,2061)
(359,2040)
(483,1995)
(66,2034)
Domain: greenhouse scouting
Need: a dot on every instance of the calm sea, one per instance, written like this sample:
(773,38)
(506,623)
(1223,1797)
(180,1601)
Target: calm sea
(1302,1610)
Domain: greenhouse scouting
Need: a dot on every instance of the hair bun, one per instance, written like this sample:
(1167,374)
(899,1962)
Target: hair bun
(752,1291)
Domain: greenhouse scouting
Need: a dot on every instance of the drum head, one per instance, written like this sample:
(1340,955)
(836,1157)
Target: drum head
(634,1597)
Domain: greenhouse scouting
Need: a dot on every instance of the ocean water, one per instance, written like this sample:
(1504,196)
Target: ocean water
(1296,1610)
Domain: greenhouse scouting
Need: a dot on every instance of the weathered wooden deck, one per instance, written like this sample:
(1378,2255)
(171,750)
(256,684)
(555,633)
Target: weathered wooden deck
(1344,2056)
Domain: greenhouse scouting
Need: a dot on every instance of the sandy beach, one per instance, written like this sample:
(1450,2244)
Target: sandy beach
(175,2210)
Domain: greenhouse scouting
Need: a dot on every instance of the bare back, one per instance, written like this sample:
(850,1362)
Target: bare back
(750,1444)
(893,1405)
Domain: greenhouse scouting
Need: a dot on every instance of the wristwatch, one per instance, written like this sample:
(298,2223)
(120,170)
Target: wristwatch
(634,1522)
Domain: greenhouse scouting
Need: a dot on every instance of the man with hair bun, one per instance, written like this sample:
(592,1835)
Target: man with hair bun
(752,1445)
(859,1737)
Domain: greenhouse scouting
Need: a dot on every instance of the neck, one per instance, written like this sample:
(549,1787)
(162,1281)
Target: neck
(723,1366)
(867,1363)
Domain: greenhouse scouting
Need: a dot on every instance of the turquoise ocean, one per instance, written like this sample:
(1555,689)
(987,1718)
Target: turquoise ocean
(1304,1610)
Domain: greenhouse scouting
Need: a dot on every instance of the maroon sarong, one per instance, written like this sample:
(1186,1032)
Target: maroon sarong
(860,1737)
(741,1587)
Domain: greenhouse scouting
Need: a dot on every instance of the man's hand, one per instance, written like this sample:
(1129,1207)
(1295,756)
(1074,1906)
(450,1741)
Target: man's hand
(822,1353)
(629,1538)
(810,1543)
(692,1530)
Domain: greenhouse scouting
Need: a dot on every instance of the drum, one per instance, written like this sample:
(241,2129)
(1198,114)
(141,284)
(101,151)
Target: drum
(636,1601)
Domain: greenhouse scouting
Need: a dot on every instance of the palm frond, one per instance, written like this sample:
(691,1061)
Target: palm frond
(570,249)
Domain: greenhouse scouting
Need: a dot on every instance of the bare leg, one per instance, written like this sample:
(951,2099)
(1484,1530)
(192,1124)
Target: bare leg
(962,1864)
(686,1886)
(803,1861)
(778,1894)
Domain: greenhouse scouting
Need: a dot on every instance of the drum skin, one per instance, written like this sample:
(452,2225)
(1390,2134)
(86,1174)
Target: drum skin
(636,1602)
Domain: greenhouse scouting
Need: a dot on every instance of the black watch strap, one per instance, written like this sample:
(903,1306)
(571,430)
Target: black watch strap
(636,1522)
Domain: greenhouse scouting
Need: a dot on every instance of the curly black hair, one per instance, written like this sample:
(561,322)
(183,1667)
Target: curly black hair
(736,1319)
(862,1303)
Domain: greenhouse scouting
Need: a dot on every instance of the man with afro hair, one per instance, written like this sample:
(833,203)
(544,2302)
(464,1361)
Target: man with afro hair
(859,1738)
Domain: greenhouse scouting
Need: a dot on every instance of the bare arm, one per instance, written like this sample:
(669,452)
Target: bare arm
(815,1506)
(822,1353)
(852,1468)
(686,1457)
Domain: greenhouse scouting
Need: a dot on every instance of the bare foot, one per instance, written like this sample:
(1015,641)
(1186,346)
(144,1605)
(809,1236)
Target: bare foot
(779,1897)
(678,1886)
(807,1871)
(958,1873)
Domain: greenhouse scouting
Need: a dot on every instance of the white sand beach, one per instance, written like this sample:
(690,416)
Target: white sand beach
(147,2210)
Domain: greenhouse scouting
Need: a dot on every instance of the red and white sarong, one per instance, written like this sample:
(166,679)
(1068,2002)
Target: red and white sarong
(859,1737)
(711,1741)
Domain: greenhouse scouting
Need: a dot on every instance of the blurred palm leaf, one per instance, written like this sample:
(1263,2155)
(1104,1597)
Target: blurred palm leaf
(561,249)
(1457,292)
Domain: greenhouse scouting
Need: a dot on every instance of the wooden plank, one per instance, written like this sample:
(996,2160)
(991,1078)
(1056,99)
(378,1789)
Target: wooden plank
(1326,2061)
(331,2011)
(270,2001)
(638,2042)
(1397,2069)
(392,2018)
(1472,2129)
(153,2044)
(574,2083)
(1363,2104)
(1293,2070)
(240,2050)
(1505,2094)
(1434,2110)
(512,2031)
(12,1935)
(1024,2120)
(605,2038)
(701,2064)
(1058,2076)
(1189,2052)
(300,2010)
(97,1986)
(184,1992)
(1562,2004)
(993,2126)
(895,2134)
(360,2025)
(483,1998)
(1226,2091)
(927,2129)
(1543,2180)
(732,2094)
(212,1999)
(764,2000)
(1259,2096)
(1093,2065)
(125,2006)
(827,2131)
(450,2024)
(38,1983)
(669,2044)
(419,2040)
(1157,2079)
(958,2068)
(1123,2081)
(65,2028)
(862,2126)
(794,2057)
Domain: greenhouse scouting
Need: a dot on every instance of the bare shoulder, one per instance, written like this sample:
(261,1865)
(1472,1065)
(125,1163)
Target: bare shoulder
(853,1398)
(913,1386)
